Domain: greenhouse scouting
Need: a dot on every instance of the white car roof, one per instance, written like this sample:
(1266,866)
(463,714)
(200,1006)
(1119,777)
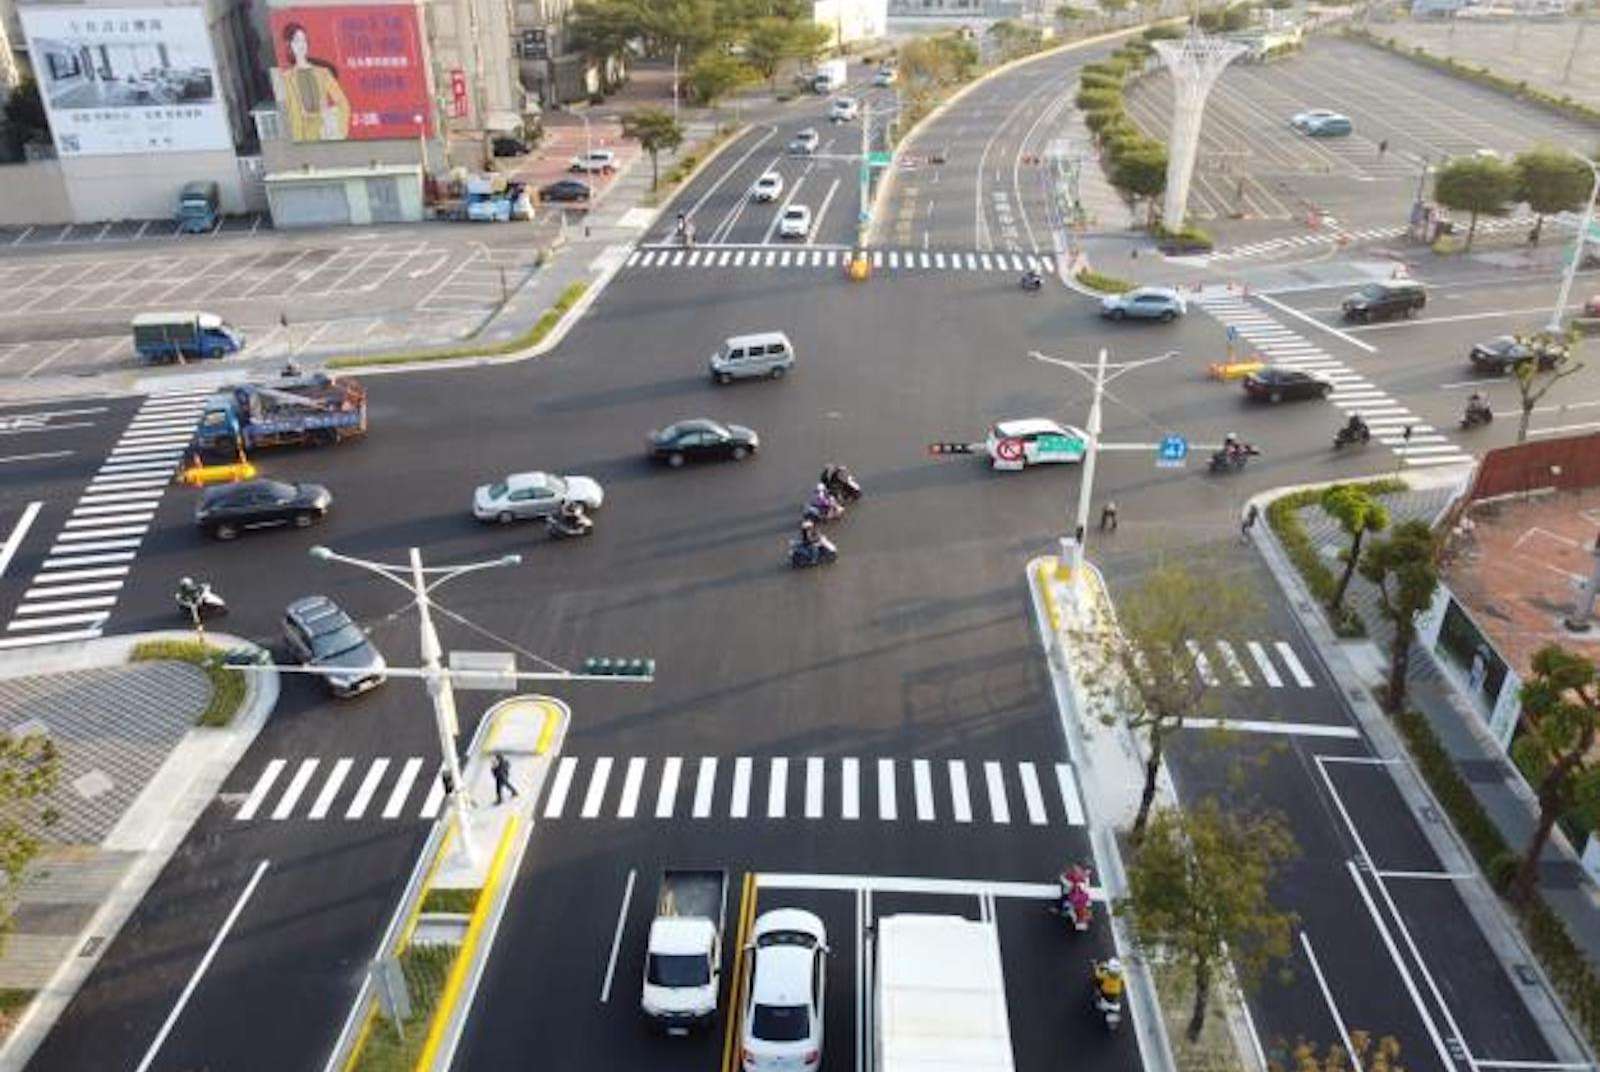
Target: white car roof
(769,177)
(533,479)
(796,211)
(783,975)
(1029,426)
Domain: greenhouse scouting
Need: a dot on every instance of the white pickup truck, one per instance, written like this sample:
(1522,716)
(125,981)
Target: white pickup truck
(683,962)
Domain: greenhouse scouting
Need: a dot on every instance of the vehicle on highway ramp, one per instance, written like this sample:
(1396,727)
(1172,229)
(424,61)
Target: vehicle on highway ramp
(683,959)
(323,636)
(1144,303)
(1275,384)
(785,985)
(1017,444)
(228,509)
(768,354)
(702,439)
(521,496)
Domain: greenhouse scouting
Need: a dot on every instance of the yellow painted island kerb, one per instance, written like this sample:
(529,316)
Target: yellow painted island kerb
(747,911)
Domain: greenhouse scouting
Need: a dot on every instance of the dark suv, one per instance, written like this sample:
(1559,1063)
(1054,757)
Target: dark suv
(1379,301)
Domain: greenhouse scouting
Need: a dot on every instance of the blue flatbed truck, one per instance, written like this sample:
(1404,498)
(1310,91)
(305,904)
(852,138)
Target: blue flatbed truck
(317,409)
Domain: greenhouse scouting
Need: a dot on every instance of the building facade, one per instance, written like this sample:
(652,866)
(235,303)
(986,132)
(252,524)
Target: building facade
(852,20)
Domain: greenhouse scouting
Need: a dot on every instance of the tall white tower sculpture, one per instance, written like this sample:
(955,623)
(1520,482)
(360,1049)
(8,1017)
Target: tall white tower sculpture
(1195,62)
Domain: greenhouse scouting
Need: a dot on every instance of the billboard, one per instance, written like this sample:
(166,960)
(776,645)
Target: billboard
(127,80)
(350,73)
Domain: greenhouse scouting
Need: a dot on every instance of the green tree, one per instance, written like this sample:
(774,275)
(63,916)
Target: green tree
(1115,7)
(809,40)
(601,29)
(715,75)
(1549,363)
(1552,180)
(689,26)
(29,770)
(654,130)
(1358,512)
(766,46)
(1198,896)
(1015,39)
(1560,716)
(1141,173)
(1405,570)
(1476,185)
(1144,671)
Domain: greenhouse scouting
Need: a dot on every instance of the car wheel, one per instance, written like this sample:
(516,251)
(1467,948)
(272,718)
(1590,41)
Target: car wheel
(504,517)
(303,519)
(1166,317)
(1276,396)
(675,459)
(225,531)
(724,377)
(777,373)
(740,453)
(1117,314)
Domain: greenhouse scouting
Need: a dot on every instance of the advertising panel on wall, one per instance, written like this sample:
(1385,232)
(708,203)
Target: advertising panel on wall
(127,80)
(350,73)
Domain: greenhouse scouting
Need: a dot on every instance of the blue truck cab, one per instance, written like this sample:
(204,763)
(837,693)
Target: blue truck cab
(183,336)
(199,207)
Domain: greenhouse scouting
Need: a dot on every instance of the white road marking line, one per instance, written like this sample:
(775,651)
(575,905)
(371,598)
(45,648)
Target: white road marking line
(10,459)
(297,786)
(9,549)
(80,574)
(1268,671)
(434,801)
(922,780)
(201,968)
(99,534)
(1032,795)
(999,807)
(40,639)
(99,522)
(850,788)
(887,808)
(364,792)
(1067,780)
(667,792)
(559,788)
(598,776)
(1286,729)
(705,786)
(258,792)
(957,887)
(84,560)
(50,591)
(1202,665)
(960,801)
(330,789)
(628,806)
(815,769)
(91,618)
(85,548)
(777,788)
(1351,339)
(1235,667)
(634,259)
(1292,661)
(142,495)
(402,788)
(739,805)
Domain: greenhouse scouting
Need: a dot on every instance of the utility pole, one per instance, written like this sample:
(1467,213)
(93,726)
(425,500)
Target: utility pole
(864,218)
(675,50)
(1100,374)
(1577,249)
(1583,613)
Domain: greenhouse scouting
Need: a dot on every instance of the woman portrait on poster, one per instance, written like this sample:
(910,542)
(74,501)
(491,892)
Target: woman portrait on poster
(315,104)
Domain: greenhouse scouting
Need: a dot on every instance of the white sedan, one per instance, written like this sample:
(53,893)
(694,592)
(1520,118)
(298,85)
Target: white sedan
(786,977)
(1033,441)
(768,187)
(795,222)
(603,161)
(533,495)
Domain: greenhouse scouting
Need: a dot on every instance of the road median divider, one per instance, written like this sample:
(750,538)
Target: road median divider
(412,1006)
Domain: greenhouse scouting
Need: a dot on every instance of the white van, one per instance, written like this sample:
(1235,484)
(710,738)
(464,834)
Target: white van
(767,354)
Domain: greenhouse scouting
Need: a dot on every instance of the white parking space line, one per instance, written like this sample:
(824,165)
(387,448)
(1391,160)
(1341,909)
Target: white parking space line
(777,788)
(369,786)
(887,807)
(595,794)
(739,805)
(628,806)
(667,792)
(704,787)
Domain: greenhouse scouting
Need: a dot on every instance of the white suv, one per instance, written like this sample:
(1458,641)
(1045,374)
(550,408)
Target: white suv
(768,187)
(844,109)
(785,984)
(795,223)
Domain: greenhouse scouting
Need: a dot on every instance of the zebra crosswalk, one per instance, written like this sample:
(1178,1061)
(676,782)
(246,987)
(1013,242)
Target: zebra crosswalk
(1334,235)
(807,257)
(78,583)
(1390,422)
(643,788)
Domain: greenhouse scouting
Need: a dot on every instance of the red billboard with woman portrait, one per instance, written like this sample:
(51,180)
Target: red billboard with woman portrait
(350,73)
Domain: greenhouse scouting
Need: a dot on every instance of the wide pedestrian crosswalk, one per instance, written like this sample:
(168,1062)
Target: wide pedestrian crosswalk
(661,788)
(78,583)
(1333,235)
(746,258)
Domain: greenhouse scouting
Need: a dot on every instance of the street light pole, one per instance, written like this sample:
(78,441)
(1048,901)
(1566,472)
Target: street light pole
(414,580)
(1577,249)
(863,218)
(1100,374)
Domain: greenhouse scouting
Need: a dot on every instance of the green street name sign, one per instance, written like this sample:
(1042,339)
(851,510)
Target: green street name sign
(1060,444)
(879,159)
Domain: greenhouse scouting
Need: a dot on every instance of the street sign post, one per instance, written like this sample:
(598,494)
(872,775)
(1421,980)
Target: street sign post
(1172,453)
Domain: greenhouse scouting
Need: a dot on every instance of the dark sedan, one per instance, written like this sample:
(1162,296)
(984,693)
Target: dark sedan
(702,440)
(1277,384)
(323,636)
(511,147)
(228,509)
(566,190)
(1505,352)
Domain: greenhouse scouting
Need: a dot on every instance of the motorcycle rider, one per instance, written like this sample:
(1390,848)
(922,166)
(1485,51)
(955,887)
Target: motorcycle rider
(571,516)
(1355,428)
(191,592)
(1032,280)
(1477,407)
(838,480)
(810,538)
(823,502)
(1074,882)
(1108,981)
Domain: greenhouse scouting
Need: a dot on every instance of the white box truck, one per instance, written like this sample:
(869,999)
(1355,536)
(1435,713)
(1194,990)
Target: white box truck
(940,996)
(683,962)
(828,77)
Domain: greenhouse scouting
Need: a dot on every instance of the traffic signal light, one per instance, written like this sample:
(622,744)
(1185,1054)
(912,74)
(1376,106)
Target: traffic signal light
(604,667)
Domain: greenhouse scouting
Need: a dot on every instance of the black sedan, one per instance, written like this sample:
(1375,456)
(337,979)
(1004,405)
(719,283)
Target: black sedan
(1276,384)
(1505,352)
(702,440)
(228,509)
(510,147)
(566,190)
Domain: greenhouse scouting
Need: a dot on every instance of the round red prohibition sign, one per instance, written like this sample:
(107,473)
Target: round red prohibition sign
(1009,450)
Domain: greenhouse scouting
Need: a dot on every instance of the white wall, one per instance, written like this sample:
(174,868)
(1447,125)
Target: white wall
(34,194)
(145,187)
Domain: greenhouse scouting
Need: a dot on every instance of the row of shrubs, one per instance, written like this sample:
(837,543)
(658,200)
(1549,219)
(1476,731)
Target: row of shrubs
(1562,103)
(1569,970)
(1283,514)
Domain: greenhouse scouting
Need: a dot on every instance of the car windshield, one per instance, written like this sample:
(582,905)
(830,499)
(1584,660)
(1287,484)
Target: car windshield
(345,638)
(497,491)
(663,970)
(793,213)
(278,492)
(780,1023)
(1371,290)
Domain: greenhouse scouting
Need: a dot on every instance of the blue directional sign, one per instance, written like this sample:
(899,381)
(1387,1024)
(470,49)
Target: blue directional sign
(1172,452)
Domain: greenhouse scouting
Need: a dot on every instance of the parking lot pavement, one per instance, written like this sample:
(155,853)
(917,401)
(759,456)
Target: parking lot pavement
(114,231)
(1252,163)
(564,138)
(67,312)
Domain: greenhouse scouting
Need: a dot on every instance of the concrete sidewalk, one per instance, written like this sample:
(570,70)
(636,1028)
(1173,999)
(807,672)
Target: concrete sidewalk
(136,772)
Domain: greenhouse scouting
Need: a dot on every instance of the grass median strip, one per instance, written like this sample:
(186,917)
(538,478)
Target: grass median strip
(392,1048)
(227,686)
(532,337)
